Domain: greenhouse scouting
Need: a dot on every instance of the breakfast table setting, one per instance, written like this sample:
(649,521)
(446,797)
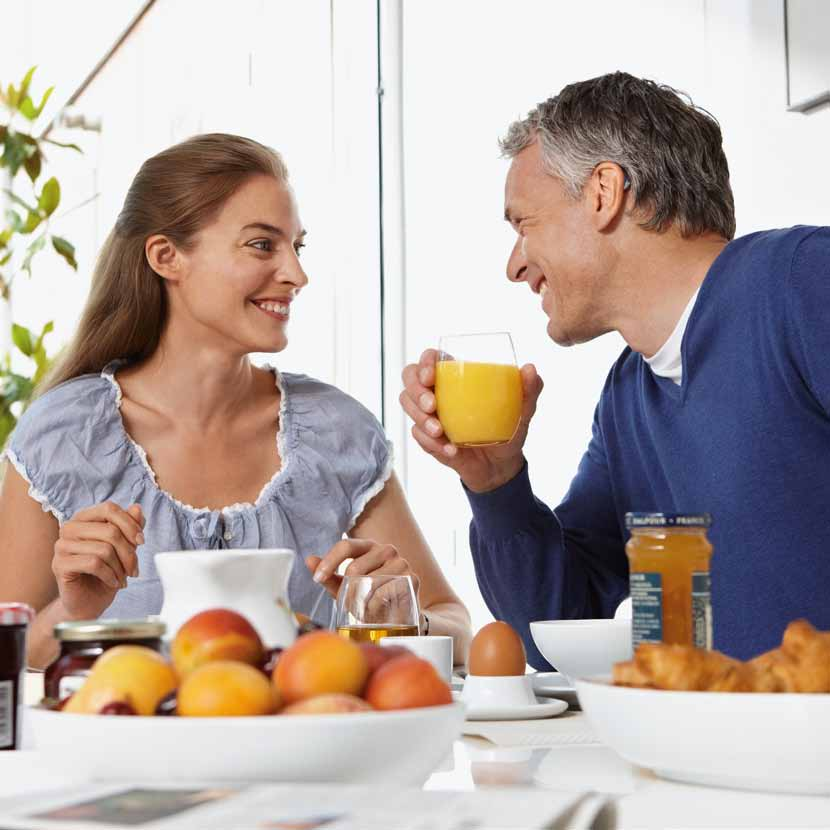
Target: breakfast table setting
(227,710)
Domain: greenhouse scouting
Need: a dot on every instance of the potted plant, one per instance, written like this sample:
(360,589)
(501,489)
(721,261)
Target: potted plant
(26,228)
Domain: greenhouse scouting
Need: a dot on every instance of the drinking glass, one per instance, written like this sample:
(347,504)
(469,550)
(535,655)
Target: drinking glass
(478,388)
(370,608)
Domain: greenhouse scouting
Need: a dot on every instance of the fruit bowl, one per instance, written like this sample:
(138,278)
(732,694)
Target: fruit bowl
(395,748)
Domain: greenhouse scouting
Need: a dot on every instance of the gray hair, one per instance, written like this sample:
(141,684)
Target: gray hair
(670,149)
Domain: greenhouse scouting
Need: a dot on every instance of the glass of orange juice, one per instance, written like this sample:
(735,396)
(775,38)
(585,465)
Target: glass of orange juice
(478,389)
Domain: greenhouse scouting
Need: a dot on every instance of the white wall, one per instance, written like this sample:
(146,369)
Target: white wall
(300,77)
(471,68)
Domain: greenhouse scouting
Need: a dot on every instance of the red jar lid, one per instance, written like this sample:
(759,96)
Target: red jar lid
(16,613)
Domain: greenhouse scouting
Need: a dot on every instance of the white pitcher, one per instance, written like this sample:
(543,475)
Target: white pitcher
(253,583)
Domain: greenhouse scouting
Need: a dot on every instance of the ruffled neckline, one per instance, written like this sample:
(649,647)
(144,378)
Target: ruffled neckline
(108,373)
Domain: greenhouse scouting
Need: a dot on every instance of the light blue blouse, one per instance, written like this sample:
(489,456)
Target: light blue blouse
(73,450)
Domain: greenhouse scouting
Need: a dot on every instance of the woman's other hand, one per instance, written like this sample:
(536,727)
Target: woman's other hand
(94,555)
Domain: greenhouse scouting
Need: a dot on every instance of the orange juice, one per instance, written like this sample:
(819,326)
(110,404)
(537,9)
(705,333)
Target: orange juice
(478,403)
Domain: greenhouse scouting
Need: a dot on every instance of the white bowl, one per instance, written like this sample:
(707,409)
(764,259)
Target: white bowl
(396,748)
(582,648)
(771,742)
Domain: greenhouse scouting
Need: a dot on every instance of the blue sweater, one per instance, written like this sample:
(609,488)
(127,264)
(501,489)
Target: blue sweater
(746,437)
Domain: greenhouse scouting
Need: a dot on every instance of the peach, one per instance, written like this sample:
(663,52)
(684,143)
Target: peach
(377,656)
(320,663)
(226,688)
(216,634)
(333,704)
(407,683)
(132,675)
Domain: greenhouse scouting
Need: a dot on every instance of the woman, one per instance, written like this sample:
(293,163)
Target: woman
(155,407)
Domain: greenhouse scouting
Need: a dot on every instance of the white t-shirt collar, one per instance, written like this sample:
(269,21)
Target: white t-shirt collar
(667,361)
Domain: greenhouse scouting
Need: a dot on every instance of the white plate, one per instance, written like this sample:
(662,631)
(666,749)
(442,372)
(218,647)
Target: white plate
(770,742)
(556,685)
(397,748)
(534,711)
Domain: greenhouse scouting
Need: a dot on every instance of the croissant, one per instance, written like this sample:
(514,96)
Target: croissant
(801,664)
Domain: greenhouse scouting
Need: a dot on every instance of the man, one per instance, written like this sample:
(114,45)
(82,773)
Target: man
(619,193)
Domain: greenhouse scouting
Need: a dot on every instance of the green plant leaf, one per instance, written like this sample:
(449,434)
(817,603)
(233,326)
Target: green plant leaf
(33,220)
(50,196)
(26,83)
(14,220)
(22,338)
(47,329)
(42,104)
(6,258)
(11,97)
(33,165)
(61,144)
(33,249)
(27,109)
(14,387)
(15,152)
(7,424)
(5,236)
(66,250)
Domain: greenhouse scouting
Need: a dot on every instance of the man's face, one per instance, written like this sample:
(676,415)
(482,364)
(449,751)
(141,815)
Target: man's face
(558,252)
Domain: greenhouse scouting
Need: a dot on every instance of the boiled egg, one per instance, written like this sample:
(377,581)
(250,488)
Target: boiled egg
(497,651)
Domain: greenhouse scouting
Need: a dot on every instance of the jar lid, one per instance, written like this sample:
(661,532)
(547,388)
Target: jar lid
(85,630)
(636,520)
(16,613)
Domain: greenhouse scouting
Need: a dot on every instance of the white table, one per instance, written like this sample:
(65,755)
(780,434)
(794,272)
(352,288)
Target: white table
(641,799)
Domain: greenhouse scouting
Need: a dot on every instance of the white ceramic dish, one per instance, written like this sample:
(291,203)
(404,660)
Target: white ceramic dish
(394,748)
(770,742)
(543,708)
(583,648)
(498,691)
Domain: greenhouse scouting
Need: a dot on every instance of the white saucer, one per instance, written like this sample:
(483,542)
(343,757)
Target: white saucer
(555,685)
(541,709)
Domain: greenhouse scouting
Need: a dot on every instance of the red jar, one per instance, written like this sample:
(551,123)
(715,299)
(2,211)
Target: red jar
(14,623)
(82,643)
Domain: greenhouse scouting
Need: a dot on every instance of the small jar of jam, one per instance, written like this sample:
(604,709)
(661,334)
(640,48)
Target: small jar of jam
(83,642)
(668,560)
(14,624)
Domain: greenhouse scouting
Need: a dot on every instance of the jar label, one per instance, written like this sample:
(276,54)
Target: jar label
(701,609)
(70,684)
(6,713)
(646,608)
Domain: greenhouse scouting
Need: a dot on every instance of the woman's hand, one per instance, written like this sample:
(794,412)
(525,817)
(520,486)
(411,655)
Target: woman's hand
(368,559)
(94,555)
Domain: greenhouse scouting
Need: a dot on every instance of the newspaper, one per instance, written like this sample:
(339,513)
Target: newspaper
(294,807)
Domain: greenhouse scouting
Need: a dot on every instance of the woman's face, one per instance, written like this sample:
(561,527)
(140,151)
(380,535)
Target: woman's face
(243,272)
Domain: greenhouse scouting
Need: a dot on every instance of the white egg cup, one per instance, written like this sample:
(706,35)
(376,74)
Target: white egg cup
(512,690)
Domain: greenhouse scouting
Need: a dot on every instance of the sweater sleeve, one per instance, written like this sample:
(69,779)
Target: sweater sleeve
(808,299)
(534,563)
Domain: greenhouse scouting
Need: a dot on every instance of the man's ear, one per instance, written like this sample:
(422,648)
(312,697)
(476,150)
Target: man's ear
(164,257)
(606,192)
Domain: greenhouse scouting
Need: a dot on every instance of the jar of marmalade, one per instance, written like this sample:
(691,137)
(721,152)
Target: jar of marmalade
(14,624)
(668,561)
(83,642)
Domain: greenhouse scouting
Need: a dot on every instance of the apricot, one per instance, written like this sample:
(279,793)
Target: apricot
(132,675)
(226,688)
(333,704)
(377,656)
(216,634)
(407,683)
(320,663)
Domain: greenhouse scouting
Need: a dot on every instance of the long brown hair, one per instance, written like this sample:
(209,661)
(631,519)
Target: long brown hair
(175,193)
